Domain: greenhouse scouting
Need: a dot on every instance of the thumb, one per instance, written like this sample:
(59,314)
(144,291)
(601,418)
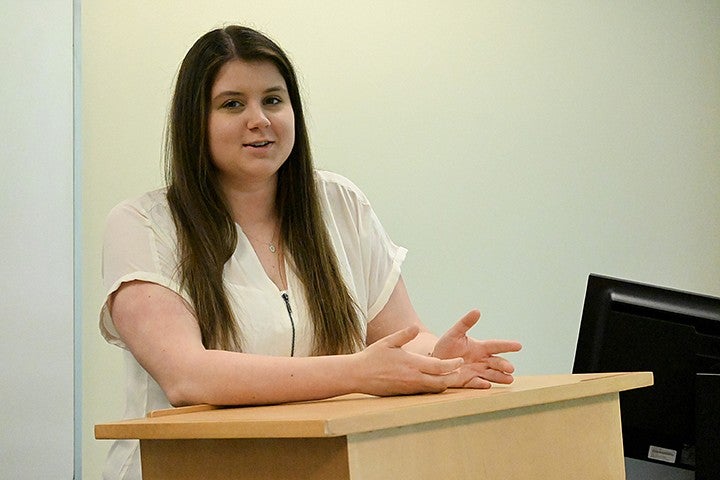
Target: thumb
(464,324)
(401,337)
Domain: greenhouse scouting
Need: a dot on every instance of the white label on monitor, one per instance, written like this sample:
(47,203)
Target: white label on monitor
(662,454)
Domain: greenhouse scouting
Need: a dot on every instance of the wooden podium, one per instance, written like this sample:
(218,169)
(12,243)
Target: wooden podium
(558,426)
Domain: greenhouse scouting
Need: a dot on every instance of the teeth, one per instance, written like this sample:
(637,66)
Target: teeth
(259,144)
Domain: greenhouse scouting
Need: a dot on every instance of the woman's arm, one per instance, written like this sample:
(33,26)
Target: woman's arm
(399,313)
(162,333)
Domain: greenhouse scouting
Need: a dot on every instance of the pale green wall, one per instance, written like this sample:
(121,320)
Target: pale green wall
(513,147)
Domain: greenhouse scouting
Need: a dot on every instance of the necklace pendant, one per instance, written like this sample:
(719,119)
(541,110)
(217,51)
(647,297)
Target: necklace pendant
(272,248)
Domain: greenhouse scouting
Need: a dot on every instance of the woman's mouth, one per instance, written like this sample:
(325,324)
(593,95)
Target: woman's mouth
(257,144)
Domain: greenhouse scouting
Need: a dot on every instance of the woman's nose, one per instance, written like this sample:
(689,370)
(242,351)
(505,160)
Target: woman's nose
(257,118)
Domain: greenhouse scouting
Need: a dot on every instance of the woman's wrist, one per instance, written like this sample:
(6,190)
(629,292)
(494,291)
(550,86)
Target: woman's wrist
(352,375)
(423,344)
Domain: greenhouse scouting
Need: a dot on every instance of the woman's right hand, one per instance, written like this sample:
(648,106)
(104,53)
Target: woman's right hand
(384,368)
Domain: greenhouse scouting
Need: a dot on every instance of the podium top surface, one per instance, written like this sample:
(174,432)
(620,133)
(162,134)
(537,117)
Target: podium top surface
(358,413)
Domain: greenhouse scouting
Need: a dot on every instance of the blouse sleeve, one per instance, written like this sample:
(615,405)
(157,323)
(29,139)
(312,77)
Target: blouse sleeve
(139,244)
(364,248)
(382,258)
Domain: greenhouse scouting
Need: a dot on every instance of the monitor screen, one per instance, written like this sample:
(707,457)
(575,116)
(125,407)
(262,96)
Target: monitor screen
(628,326)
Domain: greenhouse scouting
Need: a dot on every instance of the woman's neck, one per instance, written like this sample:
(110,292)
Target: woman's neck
(252,205)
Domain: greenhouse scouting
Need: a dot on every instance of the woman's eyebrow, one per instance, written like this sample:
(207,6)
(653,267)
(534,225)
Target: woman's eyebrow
(278,88)
(235,93)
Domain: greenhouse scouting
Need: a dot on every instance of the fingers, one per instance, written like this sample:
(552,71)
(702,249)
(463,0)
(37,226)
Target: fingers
(402,372)
(499,364)
(496,376)
(491,369)
(392,370)
(435,375)
(401,337)
(436,366)
(493,347)
(477,382)
(426,364)
(425,375)
(484,379)
(438,383)
(464,324)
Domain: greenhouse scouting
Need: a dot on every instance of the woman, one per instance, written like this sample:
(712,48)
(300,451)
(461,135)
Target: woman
(253,278)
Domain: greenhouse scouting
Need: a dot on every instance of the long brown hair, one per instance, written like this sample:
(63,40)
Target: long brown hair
(206,232)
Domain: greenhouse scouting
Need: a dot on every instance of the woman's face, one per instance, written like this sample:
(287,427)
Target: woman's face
(251,125)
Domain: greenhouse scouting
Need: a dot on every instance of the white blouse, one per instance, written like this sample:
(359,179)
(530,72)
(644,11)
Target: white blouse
(141,244)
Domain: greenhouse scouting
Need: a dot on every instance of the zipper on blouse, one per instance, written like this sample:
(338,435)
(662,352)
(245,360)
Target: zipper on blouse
(286,297)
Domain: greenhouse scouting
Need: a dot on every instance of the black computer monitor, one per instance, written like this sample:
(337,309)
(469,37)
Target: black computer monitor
(628,326)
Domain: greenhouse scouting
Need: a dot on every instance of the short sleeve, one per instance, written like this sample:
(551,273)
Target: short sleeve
(139,244)
(381,256)
(372,260)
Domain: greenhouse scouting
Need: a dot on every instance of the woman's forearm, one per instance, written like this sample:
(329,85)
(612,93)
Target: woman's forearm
(228,378)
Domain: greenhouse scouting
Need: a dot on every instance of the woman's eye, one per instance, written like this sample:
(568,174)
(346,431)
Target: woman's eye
(232,104)
(273,100)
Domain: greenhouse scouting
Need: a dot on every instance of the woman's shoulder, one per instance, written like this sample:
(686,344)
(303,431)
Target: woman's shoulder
(151,206)
(333,184)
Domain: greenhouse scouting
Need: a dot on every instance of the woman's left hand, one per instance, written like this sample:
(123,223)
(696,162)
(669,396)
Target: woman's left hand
(481,366)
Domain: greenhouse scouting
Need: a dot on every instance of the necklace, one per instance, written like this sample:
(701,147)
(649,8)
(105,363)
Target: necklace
(270,245)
